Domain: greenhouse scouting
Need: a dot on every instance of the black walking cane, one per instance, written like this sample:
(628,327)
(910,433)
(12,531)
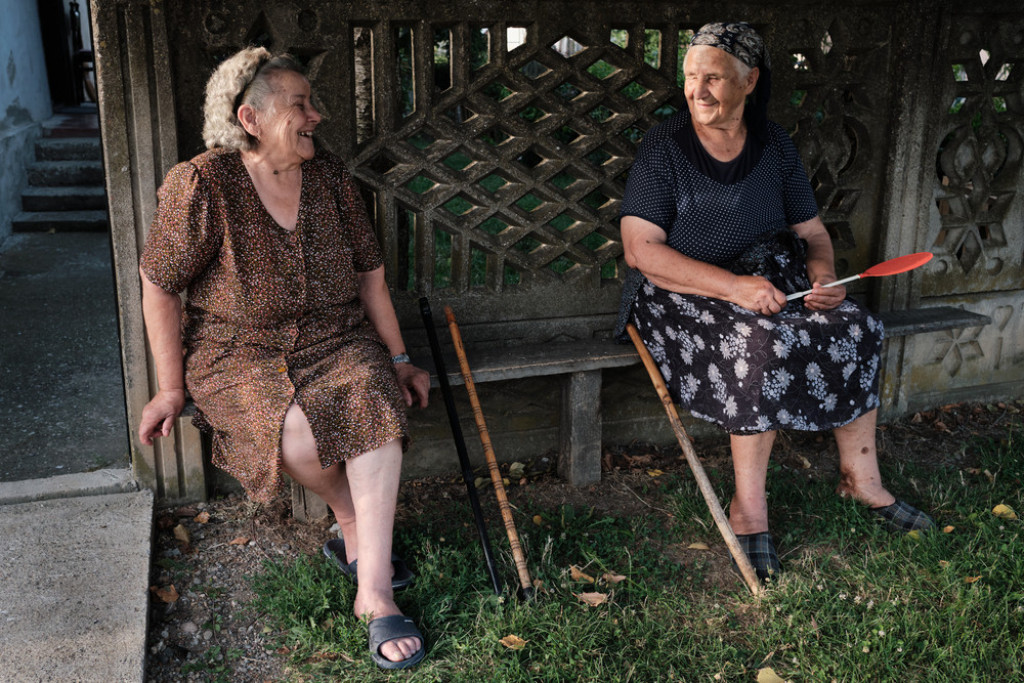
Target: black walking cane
(460,443)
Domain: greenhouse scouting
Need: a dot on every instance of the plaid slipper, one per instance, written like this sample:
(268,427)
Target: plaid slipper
(760,550)
(903,517)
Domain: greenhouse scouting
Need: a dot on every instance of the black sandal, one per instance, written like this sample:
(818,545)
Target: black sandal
(334,550)
(394,627)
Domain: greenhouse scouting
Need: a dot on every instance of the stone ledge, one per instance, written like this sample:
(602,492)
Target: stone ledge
(78,485)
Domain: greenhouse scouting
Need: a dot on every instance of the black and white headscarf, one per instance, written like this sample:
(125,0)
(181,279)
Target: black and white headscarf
(740,40)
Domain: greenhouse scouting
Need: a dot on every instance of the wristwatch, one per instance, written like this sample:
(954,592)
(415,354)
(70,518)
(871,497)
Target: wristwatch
(401,358)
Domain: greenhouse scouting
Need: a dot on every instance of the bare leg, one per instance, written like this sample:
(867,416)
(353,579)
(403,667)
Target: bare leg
(300,461)
(364,490)
(373,478)
(859,477)
(748,512)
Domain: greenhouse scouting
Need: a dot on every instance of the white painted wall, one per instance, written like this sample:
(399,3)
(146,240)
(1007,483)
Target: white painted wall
(24,101)
(23,81)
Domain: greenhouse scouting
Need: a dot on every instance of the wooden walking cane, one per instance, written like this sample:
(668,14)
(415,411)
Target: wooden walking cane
(525,584)
(460,444)
(742,561)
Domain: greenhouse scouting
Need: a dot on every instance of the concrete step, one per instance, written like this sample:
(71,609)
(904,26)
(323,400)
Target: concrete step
(60,221)
(68,149)
(73,122)
(66,198)
(49,173)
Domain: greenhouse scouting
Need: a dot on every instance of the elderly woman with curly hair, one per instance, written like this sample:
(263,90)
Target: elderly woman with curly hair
(288,342)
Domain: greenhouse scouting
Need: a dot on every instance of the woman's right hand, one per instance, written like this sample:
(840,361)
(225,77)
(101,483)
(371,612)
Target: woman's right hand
(757,294)
(160,413)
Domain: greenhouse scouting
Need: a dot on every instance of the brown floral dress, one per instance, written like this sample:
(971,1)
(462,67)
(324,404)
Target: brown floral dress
(273,316)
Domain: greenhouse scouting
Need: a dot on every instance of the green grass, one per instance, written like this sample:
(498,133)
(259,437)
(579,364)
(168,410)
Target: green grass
(854,604)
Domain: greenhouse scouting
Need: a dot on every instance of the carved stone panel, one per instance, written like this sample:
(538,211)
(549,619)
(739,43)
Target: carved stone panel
(831,87)
(975,221)
(973,362)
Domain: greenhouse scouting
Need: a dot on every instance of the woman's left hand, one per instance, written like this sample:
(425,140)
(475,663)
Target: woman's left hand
(824,298)
(821,266)
(414,383)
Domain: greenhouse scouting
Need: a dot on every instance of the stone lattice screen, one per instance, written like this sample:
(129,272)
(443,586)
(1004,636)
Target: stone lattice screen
(494,140)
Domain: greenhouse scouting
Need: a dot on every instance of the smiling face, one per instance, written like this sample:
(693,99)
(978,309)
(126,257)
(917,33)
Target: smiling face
(286,124)
(716,86)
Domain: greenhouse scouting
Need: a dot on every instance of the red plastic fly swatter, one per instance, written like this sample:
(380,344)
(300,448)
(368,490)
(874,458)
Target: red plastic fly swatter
(900,264)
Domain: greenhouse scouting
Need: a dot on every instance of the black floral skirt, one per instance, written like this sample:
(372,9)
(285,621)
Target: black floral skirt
(752,373)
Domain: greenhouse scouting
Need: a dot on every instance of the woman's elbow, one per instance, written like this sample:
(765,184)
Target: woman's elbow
(635,257)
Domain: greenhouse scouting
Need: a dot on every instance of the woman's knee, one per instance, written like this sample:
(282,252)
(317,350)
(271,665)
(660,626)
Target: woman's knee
(298,447)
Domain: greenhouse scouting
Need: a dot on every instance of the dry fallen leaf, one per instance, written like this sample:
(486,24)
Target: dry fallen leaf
(638,460)
(203,517)
(240,540)
(804,462)
(330,657)
(576,574)
(1004,512)
(538,520)
(943,563)
(655,473)
(948,529)
(513,642)
(768,675)
(971,579)
(166,594)
(914,534)
(698,546)
(592,599)
(613,578)
(181,533)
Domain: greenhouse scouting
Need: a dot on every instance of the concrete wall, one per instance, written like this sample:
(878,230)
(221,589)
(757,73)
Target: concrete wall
(24,102)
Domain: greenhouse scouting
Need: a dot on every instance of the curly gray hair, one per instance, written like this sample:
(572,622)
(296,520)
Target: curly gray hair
(242,78)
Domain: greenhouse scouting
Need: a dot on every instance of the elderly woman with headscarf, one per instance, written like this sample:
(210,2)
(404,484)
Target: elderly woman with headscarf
(288,343)
(719,222)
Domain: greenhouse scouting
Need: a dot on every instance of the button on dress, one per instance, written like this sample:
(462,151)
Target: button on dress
(273,316)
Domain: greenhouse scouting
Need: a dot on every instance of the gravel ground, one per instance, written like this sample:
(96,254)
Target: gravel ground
(202,628)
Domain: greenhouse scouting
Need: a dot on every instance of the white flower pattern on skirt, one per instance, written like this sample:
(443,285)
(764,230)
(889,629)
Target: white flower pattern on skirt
(750,373)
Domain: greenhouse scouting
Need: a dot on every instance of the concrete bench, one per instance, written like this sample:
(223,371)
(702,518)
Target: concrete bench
(581,364)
